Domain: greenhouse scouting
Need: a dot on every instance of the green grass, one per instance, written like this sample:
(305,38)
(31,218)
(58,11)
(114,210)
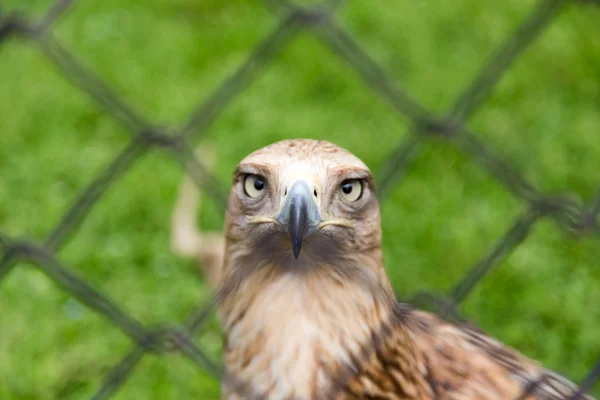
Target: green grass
(164,57)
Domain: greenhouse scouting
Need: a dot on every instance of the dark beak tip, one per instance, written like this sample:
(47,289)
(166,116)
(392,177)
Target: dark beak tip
(296,246)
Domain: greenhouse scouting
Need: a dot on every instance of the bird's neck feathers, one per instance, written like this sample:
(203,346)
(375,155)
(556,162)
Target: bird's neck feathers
(289,331)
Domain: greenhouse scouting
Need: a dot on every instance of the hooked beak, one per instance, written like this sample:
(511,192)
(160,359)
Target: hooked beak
(299,214)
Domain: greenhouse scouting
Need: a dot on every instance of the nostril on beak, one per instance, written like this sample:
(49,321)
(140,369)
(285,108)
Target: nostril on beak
(299,214)
(285,194)
(315,192)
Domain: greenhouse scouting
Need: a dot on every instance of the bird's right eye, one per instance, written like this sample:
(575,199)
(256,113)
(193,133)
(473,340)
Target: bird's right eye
(254,185)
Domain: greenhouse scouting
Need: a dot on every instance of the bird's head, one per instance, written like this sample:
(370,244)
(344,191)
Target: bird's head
(299,204)
(303,268)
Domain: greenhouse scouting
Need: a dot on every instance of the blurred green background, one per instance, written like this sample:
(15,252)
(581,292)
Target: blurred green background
(164,57)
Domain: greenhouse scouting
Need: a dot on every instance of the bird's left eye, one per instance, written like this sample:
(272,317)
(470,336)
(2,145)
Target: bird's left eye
(352,189)
(254,185)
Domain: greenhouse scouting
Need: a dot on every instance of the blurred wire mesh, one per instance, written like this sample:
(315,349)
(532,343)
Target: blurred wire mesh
(319,19)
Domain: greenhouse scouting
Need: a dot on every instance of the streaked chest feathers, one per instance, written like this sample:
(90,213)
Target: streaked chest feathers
(292,337)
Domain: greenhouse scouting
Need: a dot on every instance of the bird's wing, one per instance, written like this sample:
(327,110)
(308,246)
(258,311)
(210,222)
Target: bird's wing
(424,357)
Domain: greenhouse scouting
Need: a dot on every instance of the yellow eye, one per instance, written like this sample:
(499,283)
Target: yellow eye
(254,185)
(351,189)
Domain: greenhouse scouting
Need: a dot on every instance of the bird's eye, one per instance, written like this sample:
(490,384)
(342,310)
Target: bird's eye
(351,189)
(254,185)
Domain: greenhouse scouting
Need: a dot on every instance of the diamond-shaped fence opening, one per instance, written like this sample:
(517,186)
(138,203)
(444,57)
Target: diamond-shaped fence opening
(318,18)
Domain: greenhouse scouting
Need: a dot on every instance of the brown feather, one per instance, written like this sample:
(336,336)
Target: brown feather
(327,325)
(421,356)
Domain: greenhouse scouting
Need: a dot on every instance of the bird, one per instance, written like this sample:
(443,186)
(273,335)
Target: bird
(307,309)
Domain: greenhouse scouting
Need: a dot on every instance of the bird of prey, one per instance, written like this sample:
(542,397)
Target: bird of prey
(308,312)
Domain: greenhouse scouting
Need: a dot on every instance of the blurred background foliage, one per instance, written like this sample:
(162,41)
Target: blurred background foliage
(165,57)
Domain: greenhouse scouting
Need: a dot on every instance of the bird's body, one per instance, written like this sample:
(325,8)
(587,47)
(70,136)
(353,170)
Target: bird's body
(306,307)
(289,336)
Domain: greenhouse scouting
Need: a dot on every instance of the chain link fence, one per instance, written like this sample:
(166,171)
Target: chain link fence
(580,219)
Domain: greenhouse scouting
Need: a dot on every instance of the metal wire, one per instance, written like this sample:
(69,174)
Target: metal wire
(319,20)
